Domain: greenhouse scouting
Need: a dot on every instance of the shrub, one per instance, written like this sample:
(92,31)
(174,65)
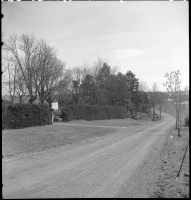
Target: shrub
(66,114)
(57,119)
(16,116)
(57,113)
(95,112)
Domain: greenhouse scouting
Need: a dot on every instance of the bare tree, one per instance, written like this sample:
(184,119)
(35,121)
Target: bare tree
(162,99)
(20,88)
(173,86)
(22,49)
(56,81)
(143,87)
(9,76)
(64,93)
(96,66)
(77,75)
(4,73)
(40,72)
(48,71)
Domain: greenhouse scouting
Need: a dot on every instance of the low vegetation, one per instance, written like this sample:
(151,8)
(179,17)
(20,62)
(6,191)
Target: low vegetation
(93,112)
(40,138)
(16,116)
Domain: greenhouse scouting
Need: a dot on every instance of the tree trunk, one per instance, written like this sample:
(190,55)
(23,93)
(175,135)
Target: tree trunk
(153,113)
(176,118)
(176,124)
(32,99)
(179,132)
(179,124)
(20,99)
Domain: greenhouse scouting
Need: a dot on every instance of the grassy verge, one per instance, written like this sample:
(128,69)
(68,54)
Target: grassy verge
(19,141)
(167,184)
(41,138)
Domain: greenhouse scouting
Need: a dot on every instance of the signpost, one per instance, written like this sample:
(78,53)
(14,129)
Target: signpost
(55,107)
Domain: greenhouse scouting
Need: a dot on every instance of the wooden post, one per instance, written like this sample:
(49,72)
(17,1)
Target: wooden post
(183,160)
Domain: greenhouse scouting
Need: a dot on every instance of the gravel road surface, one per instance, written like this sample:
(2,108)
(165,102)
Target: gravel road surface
(102,168)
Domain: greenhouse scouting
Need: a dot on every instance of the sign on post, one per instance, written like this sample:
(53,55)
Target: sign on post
(55,105)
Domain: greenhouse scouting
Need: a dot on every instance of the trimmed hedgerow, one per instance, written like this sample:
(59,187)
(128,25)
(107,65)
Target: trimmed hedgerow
(95,112)
(15,116)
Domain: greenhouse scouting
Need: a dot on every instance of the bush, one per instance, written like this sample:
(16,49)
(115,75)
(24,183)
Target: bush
(186,121)
(16,116)
(57,119)
(66,114)
(95,112)
(57,113)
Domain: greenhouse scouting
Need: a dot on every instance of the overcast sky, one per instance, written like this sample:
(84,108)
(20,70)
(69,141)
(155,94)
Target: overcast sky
(148,38)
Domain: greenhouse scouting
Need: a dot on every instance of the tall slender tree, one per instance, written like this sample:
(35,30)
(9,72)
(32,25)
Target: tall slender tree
(162,99)
(173,86)
(22,49)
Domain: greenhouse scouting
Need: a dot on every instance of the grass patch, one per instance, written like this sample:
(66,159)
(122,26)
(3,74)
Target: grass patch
(32,139)
(167,184)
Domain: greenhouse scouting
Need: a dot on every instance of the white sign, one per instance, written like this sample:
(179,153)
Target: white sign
(55,105)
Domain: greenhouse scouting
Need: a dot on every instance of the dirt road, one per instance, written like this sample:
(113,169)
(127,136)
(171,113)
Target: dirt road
(99,169)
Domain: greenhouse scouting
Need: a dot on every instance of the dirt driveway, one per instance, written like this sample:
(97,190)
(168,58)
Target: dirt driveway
(102,168)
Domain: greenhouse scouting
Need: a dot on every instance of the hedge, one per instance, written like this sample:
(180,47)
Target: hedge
(15,116)
(95,112)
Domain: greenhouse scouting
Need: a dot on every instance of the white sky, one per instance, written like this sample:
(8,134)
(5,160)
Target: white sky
(149,38)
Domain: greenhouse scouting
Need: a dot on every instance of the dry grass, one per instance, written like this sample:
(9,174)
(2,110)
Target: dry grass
(46,137)
(167,184)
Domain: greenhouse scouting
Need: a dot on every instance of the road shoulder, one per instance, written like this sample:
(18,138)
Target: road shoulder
(156,178)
